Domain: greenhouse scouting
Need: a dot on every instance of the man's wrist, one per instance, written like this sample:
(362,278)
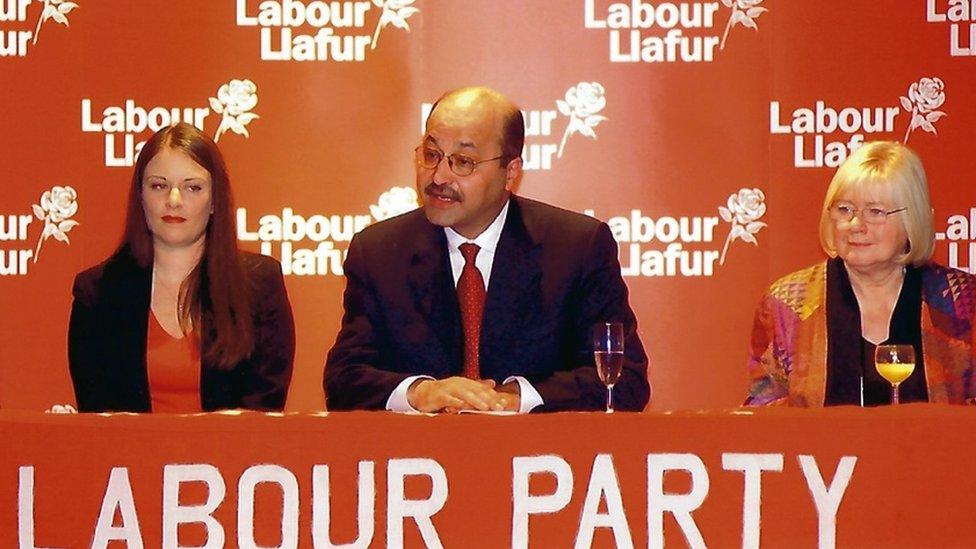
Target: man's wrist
(397,401)
(512,388)
(529,398)
(413,392)
(513,395)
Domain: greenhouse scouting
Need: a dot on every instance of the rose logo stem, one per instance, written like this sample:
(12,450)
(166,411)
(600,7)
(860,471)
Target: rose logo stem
(908,130)
(562,143)
(37,30)
(53,9)
(395,12)
(376,36)
(725,249)
(744,12)
(725,35)
(37,250)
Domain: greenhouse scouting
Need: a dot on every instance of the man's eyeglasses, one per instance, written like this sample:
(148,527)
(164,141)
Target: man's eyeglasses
(876,215)
(429,158)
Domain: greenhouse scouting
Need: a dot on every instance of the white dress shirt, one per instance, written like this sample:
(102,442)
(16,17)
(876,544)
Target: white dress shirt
(487,241)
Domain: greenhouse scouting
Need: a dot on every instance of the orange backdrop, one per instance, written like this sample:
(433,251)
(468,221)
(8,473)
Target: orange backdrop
(649,115)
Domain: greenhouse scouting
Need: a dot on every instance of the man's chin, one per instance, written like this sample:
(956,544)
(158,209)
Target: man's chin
(438,215)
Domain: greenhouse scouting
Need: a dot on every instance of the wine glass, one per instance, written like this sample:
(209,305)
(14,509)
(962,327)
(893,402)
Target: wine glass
(608,352)
(895,363)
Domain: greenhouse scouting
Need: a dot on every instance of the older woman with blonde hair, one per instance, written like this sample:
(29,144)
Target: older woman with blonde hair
(816,330)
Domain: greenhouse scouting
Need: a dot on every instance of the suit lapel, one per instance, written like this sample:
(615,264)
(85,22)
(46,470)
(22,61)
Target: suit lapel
(432,290)
(127,288)
(514,272)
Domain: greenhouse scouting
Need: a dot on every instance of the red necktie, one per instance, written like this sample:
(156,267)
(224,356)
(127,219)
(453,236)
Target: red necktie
(471,298)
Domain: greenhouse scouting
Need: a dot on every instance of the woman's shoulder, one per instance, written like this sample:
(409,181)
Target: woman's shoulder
(266,286)
(799,280)
(801,291)
(942,284)
(119,267)
(259,267)
(935,271)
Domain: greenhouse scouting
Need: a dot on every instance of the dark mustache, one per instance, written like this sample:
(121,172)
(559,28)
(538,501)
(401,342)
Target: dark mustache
(441,191)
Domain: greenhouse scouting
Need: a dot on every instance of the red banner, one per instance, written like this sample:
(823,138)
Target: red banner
(892,477)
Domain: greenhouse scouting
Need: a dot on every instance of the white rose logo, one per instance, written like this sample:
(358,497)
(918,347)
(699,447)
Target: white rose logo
(53,9)
(395,12)
(924,97)
(394,202)
(745,13)
(56,208)
(234,101)
(743,211)
(581,105)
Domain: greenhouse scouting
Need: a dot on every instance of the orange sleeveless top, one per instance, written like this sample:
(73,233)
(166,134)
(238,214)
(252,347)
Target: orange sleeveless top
(173,366)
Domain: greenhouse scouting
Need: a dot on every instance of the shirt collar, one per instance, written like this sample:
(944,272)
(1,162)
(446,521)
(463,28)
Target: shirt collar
(487,240)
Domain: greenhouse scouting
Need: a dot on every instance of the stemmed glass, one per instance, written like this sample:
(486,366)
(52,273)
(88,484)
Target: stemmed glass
(608,351)
(895,363)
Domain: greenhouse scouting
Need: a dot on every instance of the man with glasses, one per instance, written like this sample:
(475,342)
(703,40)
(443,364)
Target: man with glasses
(481,300)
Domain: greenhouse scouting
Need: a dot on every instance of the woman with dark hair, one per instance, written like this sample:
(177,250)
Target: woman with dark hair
(178,319)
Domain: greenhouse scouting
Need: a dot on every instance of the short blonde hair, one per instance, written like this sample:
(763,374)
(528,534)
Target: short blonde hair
(895,170)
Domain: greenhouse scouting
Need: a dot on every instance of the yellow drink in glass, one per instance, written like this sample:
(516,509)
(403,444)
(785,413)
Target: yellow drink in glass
(895,363)
(897,372)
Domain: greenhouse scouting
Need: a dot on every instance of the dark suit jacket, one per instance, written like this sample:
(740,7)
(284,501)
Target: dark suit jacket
(109,326)
(555,275)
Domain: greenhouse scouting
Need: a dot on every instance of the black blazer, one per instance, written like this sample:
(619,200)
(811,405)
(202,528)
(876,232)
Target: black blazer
(554,276)
(109,326)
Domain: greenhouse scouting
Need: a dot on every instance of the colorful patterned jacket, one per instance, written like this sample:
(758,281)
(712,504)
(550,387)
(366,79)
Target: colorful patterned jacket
(788,352)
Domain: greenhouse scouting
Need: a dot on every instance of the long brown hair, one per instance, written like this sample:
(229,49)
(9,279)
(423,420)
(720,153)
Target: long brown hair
(216,289)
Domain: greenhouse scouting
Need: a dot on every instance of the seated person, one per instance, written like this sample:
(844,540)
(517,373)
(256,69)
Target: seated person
(178,319)
(481,299)
(816,330)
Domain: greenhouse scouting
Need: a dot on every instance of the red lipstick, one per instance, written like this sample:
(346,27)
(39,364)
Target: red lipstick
(173,219)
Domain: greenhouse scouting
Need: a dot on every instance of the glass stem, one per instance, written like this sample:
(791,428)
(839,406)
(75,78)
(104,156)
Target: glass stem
(894,393)
(610,399)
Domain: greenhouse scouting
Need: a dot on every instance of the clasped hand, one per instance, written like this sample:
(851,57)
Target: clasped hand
(454,394)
